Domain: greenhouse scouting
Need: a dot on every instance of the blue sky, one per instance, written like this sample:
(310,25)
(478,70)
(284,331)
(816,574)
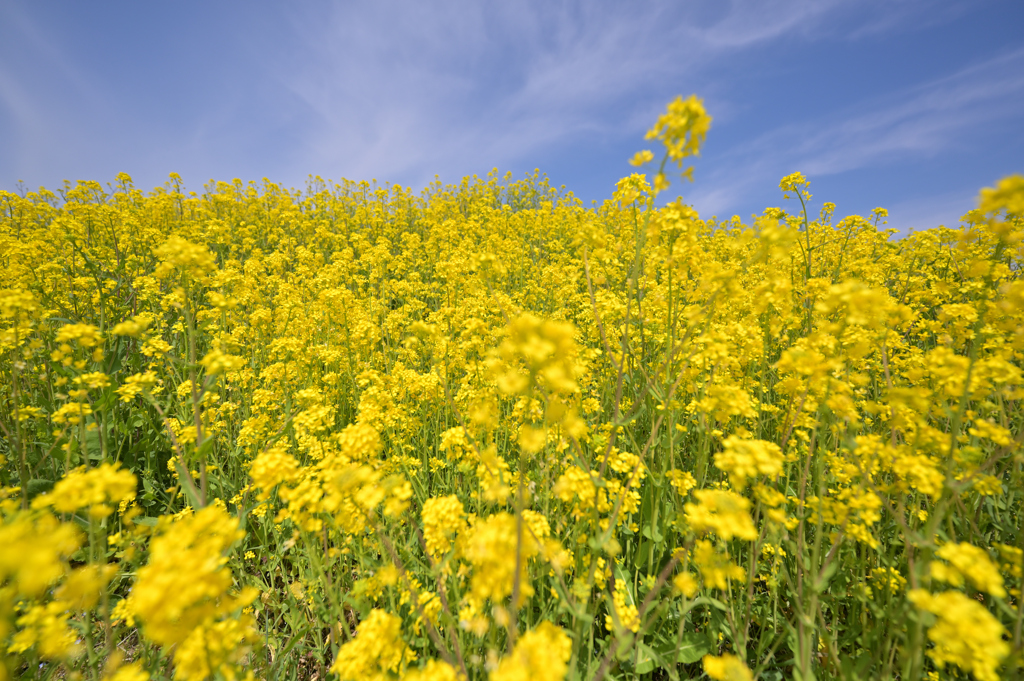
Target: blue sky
(913,105)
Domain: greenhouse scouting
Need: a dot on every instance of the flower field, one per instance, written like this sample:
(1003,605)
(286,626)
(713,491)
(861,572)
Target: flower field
(487,433)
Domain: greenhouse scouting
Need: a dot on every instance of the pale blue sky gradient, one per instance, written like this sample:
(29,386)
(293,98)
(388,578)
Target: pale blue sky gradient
(913,105)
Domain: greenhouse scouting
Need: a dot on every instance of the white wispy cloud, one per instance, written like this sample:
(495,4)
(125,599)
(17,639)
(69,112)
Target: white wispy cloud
(400,92)
(923,122)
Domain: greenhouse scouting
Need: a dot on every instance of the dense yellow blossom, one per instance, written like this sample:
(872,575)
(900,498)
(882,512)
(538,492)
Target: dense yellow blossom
(442,520)
(626,615)
(248,431)
(964,560)
(964,634)
(35,551)
(744,459)
(433,670)
(725,513)
(376,650)
(540,654)
(490,546)
(726,667)
(94,490)
(45,627)
(185,584)
(715,566)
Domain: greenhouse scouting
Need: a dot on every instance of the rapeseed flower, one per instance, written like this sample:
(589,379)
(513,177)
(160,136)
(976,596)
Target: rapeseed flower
(726,667)
(743,459)
(962,561)
(964,633)
(186,583)
(722,512)
(95,490)
(376,651)
(541,654)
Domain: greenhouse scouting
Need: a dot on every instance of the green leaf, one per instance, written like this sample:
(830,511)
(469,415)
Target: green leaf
(821,583)
(692,647)
(640,558)
(652,532)
(856,668)
(187,485)
(713,602)
(646,659)
(205,448)
(38,486)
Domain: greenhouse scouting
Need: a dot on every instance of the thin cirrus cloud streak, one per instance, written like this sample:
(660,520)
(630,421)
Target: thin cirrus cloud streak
(401,91)
(921,123)
(547,76)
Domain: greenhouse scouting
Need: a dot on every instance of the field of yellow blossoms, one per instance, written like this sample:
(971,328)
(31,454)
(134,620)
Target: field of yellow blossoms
(487,433)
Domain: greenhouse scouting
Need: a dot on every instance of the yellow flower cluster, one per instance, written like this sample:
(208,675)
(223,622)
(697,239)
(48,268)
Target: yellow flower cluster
(722,512)
(541,654)
(94,490)
(964,560)
(726,667)
(376,650)
(442,520)
(964,633)
(474,432)
(745,459)
(186,585)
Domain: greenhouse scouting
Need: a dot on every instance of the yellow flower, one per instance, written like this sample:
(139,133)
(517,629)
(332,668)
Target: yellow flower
(724,401)
(128,672)
(72,412)
(793,182)
(725,513)
(683,481)
(94,380)
(433,670)
(964,634)
(544,348)
(217,362)
(376,650)
(686,584)
(133,327)
(359,442)
(185,584)
(46,627)
(179,254)
(35,549)
(215,650)
(94,489)
(971,562)
(888,579)
(137,384)
(490,547)
(86,335)
(641,157)
(682,128)
(541,654)
(727,667)
(272,467)
(83,588)
(627,615)
(716,568)
(743,459)
(443,517)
